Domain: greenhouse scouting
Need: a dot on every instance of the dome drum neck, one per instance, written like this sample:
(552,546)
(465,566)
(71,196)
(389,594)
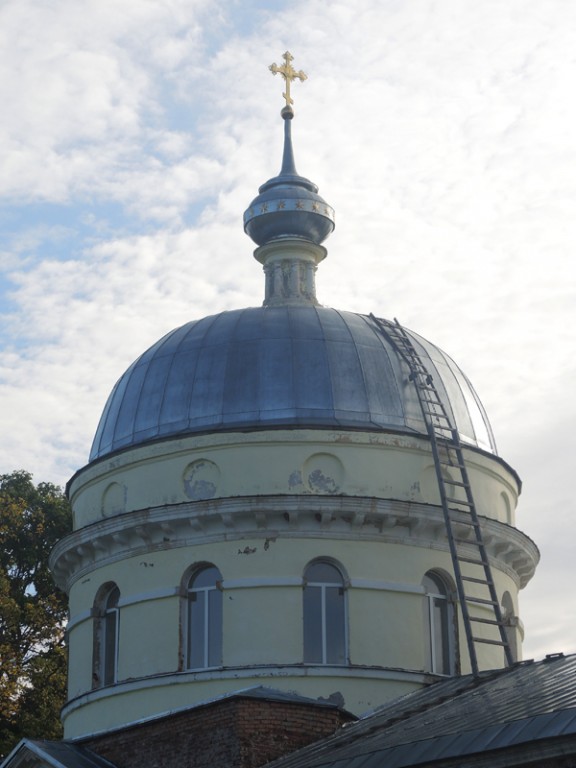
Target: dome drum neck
(290,269)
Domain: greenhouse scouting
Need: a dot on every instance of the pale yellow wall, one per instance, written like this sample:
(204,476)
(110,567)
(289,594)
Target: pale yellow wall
(385,628)
(280,462)
(148,638)
(80,641)
(263,624)
(262,565)
(111,711)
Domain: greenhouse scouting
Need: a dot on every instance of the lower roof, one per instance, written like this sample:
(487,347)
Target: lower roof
(532,704)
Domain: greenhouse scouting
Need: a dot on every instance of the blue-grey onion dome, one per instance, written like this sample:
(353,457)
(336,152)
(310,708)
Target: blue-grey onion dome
(291,367)
(288,205)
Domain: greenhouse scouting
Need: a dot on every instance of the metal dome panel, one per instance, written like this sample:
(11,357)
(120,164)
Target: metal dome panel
(271,367)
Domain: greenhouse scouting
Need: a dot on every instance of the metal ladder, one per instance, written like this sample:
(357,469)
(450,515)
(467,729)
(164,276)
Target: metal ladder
(469,558)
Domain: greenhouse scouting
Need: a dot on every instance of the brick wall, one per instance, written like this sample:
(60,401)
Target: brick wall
(237,732)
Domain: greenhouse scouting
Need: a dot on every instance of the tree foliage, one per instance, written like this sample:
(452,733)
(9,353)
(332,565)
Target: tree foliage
(32,610)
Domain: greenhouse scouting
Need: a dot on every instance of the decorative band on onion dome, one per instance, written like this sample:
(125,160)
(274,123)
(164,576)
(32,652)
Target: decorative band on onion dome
(288,205)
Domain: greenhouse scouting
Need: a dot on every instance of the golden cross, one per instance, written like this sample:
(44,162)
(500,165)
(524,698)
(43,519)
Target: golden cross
(288,73)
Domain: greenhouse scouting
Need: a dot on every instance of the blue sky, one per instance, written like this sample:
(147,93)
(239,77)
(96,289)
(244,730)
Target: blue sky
(443,132)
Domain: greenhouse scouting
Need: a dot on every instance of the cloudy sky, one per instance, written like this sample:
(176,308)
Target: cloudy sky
(134,133)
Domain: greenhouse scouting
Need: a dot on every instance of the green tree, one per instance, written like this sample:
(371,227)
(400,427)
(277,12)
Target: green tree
(32,610)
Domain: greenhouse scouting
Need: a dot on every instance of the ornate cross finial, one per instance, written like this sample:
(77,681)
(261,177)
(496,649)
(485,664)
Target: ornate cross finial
(288,73)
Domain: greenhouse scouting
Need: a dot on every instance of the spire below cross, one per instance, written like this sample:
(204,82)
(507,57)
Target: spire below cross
(289,74)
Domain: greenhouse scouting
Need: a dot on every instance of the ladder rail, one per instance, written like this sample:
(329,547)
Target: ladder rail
(447,453)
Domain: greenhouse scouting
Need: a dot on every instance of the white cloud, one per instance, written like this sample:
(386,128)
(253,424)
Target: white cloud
(442,133)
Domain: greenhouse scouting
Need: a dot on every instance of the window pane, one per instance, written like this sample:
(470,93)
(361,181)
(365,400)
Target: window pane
(196,629)
(440,625)
(110,629)
(335,626)
(433,585)
(214,628)
(205,578)
(113,598)
(313,625)
(323,572)
(441,657)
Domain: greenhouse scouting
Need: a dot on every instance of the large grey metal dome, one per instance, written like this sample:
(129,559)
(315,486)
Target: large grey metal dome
(280,367)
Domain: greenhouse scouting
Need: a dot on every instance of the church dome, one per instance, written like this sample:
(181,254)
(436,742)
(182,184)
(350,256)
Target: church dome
(294,464)
(288,205)
(290,363)
(280,367)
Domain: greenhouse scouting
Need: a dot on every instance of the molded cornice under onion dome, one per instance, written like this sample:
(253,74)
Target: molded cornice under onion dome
(336,517)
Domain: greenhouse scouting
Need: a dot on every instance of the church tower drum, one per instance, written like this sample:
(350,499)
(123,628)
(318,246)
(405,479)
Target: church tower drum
(262,507)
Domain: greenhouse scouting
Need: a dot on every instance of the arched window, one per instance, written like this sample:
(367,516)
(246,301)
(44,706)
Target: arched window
(440,625)
(324,615)
(204,620)
(106,634)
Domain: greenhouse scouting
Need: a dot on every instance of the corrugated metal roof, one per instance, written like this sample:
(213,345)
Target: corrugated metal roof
(270,367)
(61,754)
(463,715)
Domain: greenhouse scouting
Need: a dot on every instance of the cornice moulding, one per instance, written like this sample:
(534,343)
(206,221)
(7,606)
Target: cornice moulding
(334,517)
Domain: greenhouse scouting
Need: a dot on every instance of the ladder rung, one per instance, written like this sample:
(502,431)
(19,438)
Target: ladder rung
(435,410)
(477,581)
(472,560)
(481,601)
(448,452)
(493,622)
(449,445)
(452,460)
(473,525)
(439,428)
(465,542)
(488,642)
(446,463)
(458,501)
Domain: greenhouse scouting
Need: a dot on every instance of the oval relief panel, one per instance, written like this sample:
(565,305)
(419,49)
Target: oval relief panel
(323,473)
(114,500)
(201,480)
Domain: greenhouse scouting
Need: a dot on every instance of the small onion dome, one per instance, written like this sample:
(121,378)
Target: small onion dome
(288,205)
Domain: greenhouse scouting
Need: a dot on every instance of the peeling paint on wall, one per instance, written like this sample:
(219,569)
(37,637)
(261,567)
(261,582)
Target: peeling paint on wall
(201,480)
(247,551)
(324,473)
(320,483)
(295,479)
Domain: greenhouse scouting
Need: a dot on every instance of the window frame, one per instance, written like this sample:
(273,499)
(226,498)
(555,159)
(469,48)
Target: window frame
(105,654)
(443,660)
(323,586)
(209,645)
